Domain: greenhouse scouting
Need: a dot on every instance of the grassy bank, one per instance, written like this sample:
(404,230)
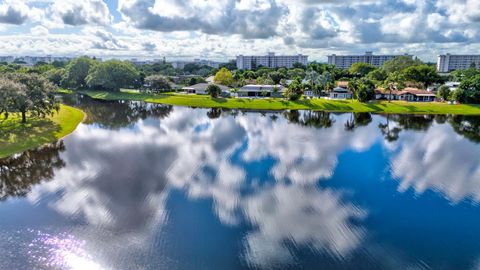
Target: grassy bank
(281,104)
(16,137)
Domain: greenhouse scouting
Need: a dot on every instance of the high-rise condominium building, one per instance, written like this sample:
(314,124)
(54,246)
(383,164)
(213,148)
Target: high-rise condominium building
(346,61)
(271,60)
(450,62)
(8,59)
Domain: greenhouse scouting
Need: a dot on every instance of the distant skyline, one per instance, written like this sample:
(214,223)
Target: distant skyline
(220,30)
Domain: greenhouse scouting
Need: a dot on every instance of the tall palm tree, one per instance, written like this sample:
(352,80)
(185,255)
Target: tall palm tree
(394,81)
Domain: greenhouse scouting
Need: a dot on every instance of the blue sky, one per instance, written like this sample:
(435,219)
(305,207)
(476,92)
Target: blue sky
(222,29)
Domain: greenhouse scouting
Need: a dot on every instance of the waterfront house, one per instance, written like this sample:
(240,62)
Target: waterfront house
(407,94)
(253,90)
(201,88)
(341,93)
(309,93)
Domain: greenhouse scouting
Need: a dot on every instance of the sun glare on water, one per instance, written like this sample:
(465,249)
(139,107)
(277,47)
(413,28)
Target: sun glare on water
(62,251)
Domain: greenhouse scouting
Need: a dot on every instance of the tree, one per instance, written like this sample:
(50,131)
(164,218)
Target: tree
(276,77)
(378,75)
(194,80)
(158,83)
(458,95)
(443,92)
(55,75)
(266,80)
(361,69)
(213,90)
(394,81)
(461,75)
(35,95)
(41,68)
(399,63)
(231,65)
(296,72)
(77,71)
(59,64)
(294,90)
(299,65)
(469,90)
(8,89)
(353,86)
(112,75)
(224,77)
(424,74)
(249,74)
(314,81)
(363,89)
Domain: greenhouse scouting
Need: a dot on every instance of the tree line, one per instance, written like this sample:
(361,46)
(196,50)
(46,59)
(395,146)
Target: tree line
(320,78)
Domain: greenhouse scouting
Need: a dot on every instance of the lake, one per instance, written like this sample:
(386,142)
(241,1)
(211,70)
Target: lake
(143,186)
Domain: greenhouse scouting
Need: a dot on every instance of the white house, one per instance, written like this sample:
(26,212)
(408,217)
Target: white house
(253,90)
(308,93)
(407,94)
(201,88)
(340,93)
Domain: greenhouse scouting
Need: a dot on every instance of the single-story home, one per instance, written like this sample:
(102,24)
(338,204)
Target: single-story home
(252,90)
(201,88)
(341,93)
(309,93)
(407,94)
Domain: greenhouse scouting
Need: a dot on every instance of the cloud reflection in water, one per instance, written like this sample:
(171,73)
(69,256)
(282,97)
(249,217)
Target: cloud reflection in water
(118,180)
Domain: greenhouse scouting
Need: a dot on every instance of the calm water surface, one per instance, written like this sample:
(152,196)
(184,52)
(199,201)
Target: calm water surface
(158,187)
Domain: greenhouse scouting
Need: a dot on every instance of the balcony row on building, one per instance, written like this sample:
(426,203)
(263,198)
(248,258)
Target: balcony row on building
(271,60)
(346,61)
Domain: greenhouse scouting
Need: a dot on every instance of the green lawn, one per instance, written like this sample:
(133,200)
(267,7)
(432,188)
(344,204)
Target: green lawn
(64,91)
(281,104)
(16,137)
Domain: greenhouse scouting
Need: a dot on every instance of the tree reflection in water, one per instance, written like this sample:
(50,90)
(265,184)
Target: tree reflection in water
(358,120)
(467,126)
(119,114)
(214,113)
(316,119)
(18,174)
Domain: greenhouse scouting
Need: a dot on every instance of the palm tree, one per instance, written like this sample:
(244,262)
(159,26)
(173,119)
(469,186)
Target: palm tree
(354,85)
(313,80)
(394,81)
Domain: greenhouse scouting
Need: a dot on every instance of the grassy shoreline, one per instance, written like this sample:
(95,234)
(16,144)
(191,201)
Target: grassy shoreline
(16,137)
(395,107)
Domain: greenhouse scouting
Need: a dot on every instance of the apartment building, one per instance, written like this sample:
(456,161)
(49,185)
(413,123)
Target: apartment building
(451,62)
(271,60)
(346,61)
